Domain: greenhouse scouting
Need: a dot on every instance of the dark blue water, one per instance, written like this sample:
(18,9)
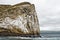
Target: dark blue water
(46,35)
(50,34)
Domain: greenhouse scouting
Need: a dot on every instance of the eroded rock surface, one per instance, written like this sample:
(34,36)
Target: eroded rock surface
(19,19)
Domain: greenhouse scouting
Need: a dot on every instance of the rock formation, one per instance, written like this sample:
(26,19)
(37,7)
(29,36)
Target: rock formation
(19,19)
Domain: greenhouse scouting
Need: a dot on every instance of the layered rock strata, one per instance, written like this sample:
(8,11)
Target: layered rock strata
(19,19)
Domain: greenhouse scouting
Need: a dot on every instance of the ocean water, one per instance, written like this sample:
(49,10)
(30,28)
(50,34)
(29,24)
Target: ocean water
(45,35)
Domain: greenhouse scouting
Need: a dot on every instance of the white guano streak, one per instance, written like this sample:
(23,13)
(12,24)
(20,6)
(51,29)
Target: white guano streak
(17,22)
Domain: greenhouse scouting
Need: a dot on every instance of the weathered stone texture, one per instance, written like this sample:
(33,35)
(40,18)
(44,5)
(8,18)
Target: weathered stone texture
(20,19)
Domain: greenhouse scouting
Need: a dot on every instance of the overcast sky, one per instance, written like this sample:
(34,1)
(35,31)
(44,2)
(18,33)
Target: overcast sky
(48,12)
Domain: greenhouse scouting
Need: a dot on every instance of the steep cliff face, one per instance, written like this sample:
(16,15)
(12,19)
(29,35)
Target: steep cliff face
(19,19)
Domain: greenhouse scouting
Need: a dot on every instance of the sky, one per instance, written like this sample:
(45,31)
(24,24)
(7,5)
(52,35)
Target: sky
(48,12)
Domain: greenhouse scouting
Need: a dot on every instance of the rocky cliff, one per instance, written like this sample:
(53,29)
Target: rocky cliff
(19,19)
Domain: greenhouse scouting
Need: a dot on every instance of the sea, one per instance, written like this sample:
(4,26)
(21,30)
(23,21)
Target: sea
(45,35)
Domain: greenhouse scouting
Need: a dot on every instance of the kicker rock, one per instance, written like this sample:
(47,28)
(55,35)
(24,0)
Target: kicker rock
(20,19)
